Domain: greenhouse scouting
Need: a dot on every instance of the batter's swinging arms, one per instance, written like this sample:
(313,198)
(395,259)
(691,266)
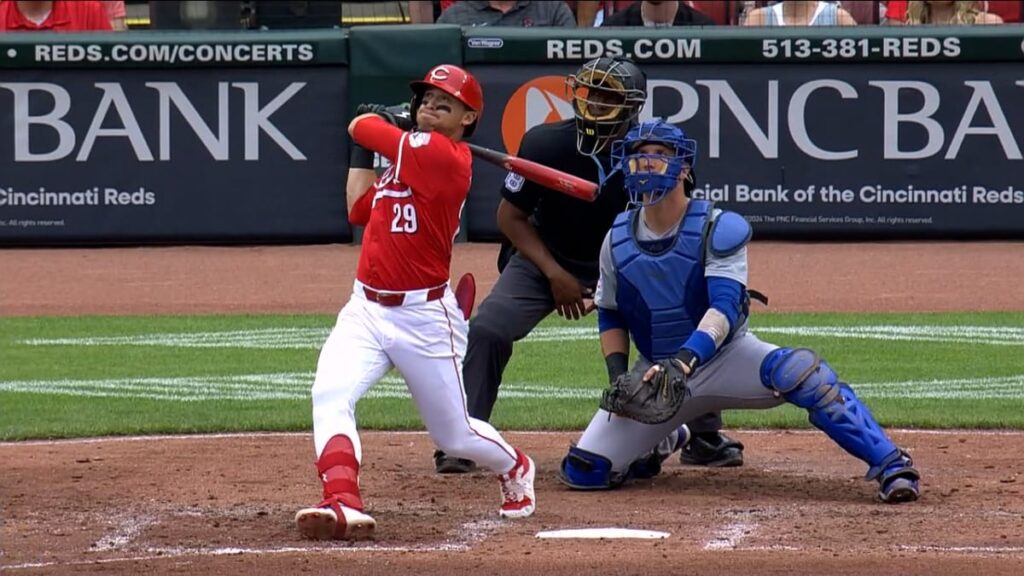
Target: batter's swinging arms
(402,313)
(673,279)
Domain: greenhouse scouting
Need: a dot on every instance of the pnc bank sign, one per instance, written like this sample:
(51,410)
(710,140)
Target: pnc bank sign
(49,122)
(908,110)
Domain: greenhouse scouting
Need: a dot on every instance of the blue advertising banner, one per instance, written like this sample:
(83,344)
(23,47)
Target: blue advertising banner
(190,156)
(812,150)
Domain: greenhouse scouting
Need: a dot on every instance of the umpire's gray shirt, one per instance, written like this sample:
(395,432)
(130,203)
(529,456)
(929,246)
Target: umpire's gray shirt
(734,266)
(524,14)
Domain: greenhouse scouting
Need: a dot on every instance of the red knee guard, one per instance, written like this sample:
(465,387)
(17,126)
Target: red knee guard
(339,471)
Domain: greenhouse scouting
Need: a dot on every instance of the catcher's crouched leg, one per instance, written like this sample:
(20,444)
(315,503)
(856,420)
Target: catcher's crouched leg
(649,465)
(585,470)
(803,378)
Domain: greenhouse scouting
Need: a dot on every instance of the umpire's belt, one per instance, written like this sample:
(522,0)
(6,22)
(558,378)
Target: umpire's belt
(385,298)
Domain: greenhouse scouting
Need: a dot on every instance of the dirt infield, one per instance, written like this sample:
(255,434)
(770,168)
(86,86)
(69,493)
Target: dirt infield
(900,277)
(223,504)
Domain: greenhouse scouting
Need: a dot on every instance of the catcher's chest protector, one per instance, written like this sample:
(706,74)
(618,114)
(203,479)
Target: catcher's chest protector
(662,296)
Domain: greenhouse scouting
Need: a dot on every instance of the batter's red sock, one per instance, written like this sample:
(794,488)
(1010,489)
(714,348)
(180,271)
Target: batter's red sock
(339,471)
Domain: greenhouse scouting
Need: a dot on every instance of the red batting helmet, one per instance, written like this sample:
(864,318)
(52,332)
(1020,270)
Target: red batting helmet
(455,81)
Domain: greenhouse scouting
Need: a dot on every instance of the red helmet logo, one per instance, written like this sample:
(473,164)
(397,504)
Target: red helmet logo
(439,74)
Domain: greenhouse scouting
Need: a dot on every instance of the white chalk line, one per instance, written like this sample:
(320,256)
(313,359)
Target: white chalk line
(313,338)
(128,529)
(730,536)
(171,553)
(966,549)
(297,385)
(467,535)
(179,552)
(727,539)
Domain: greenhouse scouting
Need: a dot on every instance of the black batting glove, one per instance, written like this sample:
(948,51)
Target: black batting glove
(397,115)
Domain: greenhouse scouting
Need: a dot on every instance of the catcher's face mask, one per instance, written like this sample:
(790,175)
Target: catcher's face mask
(652,157)
(607,95)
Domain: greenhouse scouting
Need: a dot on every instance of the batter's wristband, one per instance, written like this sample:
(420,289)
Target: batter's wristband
(617,363)
(360,157)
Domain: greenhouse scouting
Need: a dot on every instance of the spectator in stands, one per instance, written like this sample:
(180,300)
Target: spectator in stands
(115,13)
(659,14)
(941,12)
(52,15)
(864,11)
(590,13)
(800,13)
(424,11)
(518,13)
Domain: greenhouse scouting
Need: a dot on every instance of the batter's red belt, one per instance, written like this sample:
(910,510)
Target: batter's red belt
(400,298)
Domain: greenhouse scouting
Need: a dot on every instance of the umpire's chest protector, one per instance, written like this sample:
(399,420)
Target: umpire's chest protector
(662,293)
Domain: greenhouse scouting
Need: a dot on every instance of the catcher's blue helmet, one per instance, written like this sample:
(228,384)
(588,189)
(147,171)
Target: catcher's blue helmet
(653,175)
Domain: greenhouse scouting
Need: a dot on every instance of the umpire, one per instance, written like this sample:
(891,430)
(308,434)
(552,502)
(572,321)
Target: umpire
(550,261)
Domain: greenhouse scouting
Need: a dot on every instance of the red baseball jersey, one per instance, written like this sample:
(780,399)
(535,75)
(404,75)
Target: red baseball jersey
(415,206)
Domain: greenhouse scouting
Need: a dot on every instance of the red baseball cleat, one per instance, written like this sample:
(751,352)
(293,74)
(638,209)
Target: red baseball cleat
(333,521)
(518,500)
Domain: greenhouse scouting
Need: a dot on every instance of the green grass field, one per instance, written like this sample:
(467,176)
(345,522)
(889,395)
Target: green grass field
(85,376)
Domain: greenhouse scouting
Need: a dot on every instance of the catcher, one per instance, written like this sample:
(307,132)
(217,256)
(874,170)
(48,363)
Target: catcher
(673,278)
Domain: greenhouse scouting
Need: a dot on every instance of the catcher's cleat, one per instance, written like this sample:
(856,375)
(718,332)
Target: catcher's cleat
(715,450)
(899,481)
(445,464)
(335,522)
(898,490)
(517,496)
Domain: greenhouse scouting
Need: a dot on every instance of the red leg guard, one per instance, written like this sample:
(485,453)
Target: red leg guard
(339,471)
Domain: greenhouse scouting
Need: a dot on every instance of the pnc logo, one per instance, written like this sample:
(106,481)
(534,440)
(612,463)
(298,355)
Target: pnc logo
(539,101)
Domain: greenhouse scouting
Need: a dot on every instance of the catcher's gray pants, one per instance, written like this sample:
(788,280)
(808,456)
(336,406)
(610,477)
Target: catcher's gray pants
(732,380)
(520,299)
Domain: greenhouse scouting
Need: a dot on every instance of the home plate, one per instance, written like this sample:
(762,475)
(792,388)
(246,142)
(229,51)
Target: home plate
(593,533)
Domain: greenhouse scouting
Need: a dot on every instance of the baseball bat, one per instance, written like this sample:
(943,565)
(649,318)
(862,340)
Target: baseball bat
(544,175)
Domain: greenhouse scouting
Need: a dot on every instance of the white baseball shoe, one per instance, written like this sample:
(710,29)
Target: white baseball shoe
(335,522)
(518,500)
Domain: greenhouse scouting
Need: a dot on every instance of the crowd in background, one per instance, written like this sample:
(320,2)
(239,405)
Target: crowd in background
(608,13)
(103,15)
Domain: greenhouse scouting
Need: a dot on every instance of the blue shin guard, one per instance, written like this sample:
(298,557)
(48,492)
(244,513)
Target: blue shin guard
(804,379)
(585,470)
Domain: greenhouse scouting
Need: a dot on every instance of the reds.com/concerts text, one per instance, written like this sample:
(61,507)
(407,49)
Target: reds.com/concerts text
(174,53)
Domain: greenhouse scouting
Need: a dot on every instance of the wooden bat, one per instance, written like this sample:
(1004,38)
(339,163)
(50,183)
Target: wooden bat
(544,175)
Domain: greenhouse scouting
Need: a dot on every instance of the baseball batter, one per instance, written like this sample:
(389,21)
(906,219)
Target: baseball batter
(673,279)
(402,313)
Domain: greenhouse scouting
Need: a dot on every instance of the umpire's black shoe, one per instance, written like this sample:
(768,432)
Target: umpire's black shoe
(712,449)
(445,464)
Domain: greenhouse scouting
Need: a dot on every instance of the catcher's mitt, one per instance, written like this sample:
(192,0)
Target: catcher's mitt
(650,401)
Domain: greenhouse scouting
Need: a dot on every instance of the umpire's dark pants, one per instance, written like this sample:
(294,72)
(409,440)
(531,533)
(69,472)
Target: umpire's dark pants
(520,299)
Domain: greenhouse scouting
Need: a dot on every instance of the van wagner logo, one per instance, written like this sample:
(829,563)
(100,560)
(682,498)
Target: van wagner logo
(538,101)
